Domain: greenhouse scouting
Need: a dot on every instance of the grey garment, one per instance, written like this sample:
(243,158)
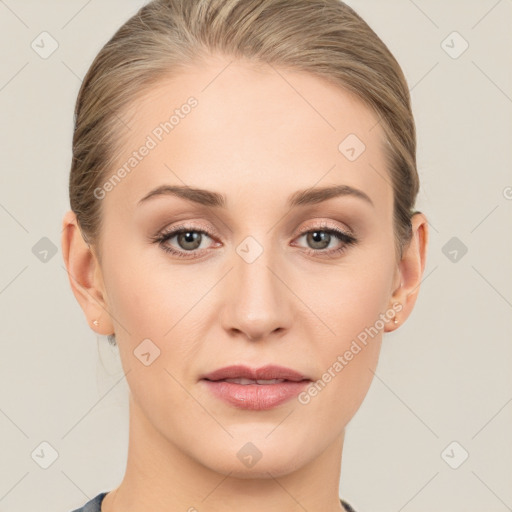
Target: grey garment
(95,504)
(348,508)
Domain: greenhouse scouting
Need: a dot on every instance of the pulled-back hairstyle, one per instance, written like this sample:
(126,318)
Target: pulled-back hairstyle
(325,38)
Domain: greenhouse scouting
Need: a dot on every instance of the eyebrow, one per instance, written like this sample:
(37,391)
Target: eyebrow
(212,199)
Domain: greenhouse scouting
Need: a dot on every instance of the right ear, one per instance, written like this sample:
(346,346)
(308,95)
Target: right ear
(85,277)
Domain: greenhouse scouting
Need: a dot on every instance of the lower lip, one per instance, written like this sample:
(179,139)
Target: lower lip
(256,397)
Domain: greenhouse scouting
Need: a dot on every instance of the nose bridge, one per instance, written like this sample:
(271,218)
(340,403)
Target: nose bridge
(258,303)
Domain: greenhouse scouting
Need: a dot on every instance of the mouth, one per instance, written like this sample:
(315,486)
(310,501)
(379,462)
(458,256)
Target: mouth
(262,374)
(245,382)
(255,389)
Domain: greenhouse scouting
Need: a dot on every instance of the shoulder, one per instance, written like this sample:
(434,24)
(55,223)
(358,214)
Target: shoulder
(93,505)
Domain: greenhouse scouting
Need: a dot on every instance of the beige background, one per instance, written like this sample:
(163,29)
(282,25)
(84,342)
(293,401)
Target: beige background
(444,376)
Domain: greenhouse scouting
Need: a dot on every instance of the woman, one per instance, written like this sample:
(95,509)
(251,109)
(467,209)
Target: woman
(242,226)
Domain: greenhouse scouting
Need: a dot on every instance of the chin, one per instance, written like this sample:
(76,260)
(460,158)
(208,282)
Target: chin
(257,460)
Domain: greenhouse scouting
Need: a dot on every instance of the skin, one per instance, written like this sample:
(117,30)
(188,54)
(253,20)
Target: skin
(257,140)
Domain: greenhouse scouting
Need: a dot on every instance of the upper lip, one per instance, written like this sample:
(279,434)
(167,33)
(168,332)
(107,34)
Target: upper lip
(267,372)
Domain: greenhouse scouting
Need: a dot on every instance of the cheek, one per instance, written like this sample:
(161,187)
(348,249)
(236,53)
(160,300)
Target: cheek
(351,304)
(348,358)
(144,298)
(348,299)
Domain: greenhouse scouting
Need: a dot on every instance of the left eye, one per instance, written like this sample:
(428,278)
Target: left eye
(189,240)
(320,238)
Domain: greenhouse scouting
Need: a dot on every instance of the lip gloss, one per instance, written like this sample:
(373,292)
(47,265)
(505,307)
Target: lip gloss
(256,397)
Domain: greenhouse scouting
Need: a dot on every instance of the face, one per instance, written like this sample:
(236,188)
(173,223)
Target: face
(262,273)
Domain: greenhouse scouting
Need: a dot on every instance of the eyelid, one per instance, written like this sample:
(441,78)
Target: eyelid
(208,230)
(324,224)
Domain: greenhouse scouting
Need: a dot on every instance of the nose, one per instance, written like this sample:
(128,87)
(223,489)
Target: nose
(259,303)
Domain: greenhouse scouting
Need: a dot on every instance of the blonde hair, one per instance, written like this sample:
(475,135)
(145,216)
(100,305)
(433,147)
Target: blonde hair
(323,37)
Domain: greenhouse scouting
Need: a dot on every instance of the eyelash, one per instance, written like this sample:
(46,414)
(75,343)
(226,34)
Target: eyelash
(164,236)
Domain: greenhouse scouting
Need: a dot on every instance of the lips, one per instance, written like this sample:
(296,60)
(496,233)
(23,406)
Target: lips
(265,373)
(255,389)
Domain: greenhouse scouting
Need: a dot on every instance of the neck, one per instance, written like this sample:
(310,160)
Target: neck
(161,477)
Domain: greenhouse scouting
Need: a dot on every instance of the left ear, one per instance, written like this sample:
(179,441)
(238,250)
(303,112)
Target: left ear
(410,271)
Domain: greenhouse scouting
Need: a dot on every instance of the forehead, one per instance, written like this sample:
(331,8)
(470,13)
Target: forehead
(238,128)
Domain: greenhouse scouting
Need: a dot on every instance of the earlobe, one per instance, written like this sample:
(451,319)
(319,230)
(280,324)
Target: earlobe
(410,271)
(84,275)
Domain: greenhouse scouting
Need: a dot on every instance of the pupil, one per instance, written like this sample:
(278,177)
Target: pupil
(320,237)
(191,237)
